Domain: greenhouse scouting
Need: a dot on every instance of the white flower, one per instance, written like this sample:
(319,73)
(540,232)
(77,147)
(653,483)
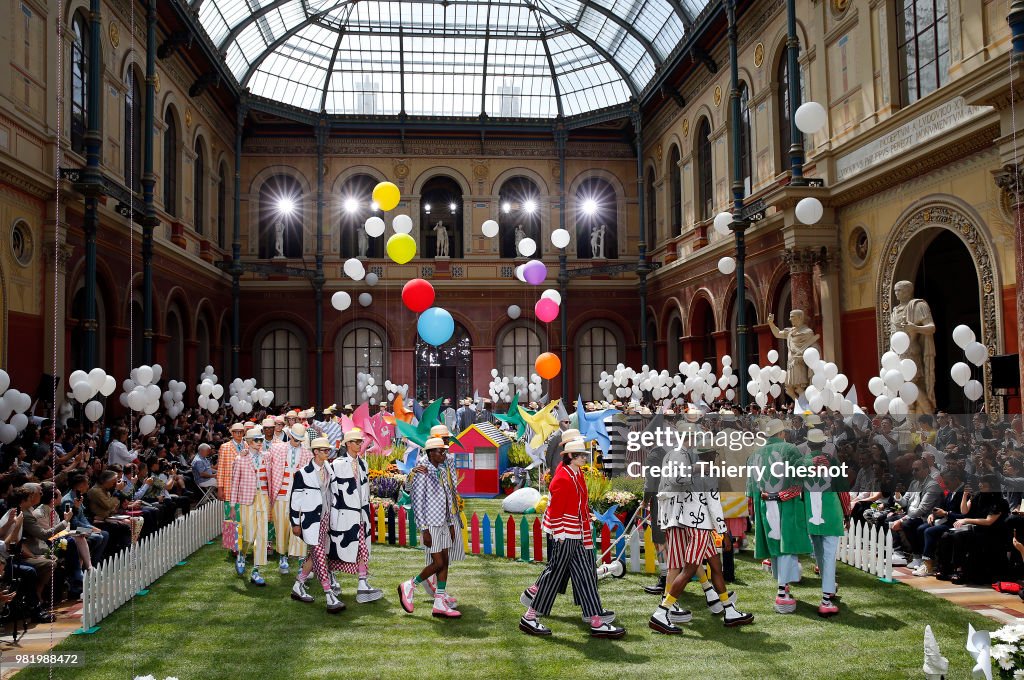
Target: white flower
(1001,652)
(1018,674)
(144,677)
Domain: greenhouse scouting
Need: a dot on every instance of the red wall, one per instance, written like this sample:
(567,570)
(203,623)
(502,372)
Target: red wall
(859,341)
(27,358)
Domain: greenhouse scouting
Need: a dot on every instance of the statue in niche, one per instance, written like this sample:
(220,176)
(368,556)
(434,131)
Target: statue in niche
(913,316)
(441,249)
(278,240)
(798,337)
(520,235)
(597,242)
(363,242)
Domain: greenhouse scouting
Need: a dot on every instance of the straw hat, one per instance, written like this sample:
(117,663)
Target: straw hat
(812,419)
(296,431)
(353,435)
(570,435)
(440,431)
(321,443)
(815,436)
(254,433)
(238,427)
(435,443)
(331,409)
(575,446)
(268,422)
(773,427)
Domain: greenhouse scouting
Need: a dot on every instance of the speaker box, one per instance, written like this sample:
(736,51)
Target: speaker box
(1005,372)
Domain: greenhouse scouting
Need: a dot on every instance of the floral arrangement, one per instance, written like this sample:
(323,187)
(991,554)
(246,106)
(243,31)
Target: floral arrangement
(381,503)
(627,502)
(1008,651)
(385,486)
(597,484)
(517,455)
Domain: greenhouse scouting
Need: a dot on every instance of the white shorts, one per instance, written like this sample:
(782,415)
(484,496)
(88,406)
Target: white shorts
(440,539)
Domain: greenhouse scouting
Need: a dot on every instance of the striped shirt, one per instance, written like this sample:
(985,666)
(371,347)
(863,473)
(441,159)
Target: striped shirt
(331,430)
(569,516)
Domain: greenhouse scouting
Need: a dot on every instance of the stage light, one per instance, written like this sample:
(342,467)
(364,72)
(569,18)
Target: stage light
(426,207)
(452,207)
(286,206)
(530,206)
(590,206)
(506,207)
(351,205)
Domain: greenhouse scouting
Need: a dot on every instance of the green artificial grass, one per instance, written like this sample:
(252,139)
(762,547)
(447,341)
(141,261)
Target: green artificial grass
(202,621)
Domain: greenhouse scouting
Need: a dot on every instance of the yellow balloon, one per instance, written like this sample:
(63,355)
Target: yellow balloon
(401,248)
(386,195)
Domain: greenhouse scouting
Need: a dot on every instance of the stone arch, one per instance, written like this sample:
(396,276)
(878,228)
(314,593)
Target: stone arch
(904,247)
(532,175)
(177,296)
(260,178)
(701,294)
(442,170)
(352,171)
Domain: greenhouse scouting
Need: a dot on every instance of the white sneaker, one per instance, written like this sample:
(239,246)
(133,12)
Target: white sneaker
(443,610)
(607,616)
(334,605)
(677,614)
(300,593)
(915,563)
(335,586)
(714,602)
(899,560)
(282,565)
(924,570)
(367,593)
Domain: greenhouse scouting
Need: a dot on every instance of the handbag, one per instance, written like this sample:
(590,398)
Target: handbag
(229,527)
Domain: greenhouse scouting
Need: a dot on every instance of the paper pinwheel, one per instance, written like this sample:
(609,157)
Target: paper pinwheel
(591,425)
(420,433)
(406,466)
(361,419)
(609,519)
(400,414)
(513,417)
(543,422)
(537,454)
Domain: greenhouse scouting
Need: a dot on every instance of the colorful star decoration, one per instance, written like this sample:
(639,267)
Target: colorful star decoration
(543,422)
(591,425)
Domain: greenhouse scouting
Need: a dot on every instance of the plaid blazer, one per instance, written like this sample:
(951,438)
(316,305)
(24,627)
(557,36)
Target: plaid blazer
(277,467)
(225,458)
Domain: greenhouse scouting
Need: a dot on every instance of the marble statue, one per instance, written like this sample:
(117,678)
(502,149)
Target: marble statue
(520,235)
(363,241)
(913,316)
(798,337)
(441,249)
(597,242)
(278,240)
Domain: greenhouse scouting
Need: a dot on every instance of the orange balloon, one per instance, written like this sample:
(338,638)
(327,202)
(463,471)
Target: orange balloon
(548,365)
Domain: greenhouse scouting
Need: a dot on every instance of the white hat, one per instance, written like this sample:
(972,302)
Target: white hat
(773,427)
(440,431)
(238,426)
(815,436)
(296,431)
(254,433)
(435,443)
(575,446)
(268,422)
(812,419)
(353,435)
(321,443)
(572,434)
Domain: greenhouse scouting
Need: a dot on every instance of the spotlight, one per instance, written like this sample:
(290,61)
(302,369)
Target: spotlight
(530,206)
(351,205)
(590,206)
(452,207)
(506,207)
(374,206)
(426,207)
(286,206)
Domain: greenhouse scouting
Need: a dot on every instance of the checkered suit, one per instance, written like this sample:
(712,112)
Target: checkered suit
(277,465)
(225,459)
(244,480)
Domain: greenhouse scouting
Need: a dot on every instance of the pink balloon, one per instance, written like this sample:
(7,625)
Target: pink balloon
(535,272)
(546,310)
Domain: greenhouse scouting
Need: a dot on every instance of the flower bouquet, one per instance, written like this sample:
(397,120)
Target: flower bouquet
(1008,651)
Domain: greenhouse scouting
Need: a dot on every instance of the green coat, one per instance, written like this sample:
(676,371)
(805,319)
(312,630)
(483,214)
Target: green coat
(831,510)
(792,538)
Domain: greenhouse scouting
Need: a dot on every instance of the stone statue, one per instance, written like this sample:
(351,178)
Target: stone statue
(597,242)
(278,240)
(798,337)
(913,316)
(362,240)
(520,235)
(441,249)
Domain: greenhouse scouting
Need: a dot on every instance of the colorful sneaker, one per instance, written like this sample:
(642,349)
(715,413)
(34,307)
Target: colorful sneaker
(443,610)
(334,605)
(240,565)
(526,599)
(661,622)
(256,579)
(429,588)
(282,565)
(608,631)
(300,593)
(406,590)
(677,614)
(715,605)
(607,616)
(533,627)
(827,608)
(785,604)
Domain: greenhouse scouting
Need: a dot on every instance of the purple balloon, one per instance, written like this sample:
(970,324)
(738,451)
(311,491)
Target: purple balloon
(535,272)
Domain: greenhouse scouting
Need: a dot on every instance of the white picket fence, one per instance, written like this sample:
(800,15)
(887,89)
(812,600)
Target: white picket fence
(119,578)
(867,548)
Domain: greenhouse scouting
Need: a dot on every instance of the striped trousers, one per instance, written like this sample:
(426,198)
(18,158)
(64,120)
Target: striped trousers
(569,559)
(286,543)
(252,531)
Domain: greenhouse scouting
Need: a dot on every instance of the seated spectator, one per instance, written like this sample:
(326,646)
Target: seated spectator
(922,496)
(118,452)
(42,566)
(203,472)
(97,538)
(959,553)
(103,501)
(52,518)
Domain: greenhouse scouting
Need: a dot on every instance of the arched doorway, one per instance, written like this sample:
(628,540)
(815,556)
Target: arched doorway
(441,204)
(445,371)
(674,343)
(356,207)
(702,325)
(944,250)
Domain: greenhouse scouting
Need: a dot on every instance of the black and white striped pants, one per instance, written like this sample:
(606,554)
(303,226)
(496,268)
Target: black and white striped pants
(569,558)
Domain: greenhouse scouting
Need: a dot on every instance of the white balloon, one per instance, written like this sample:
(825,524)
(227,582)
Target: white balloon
(371,279)
(811,356)
(775,390)
(365,299)
(7,433)
(489,228)
(830,370)
(144,375)
(354,269)
(840,383)
(203,399)
(527,247)
(5,381)
(402,224)
(976,353)
(963,336)
(269,396)
(341,301)
(816,403)
(897,407)
(810,117)
(960,372)
(809,210)
(75,377)
(552,294)
(773,356)
(560,238)
(109,386)
(158,371)
(217,392)
(881,405)
(205,388)
(761,399)
(147,424)
(973,390)
(494,373)
(908,368)
(513,313)
(722,222)
(727,265)
(97,378)
(151,408)
(82,391)
(519,273)
(893,379)
(374,226)
(899,342)
(212,406)
(891,361)
(909,392)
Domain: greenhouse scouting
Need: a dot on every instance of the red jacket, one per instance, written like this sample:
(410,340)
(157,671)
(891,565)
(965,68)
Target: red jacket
(568,512)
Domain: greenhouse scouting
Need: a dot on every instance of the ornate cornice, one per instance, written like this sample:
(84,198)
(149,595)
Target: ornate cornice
(470,149)
(803,260)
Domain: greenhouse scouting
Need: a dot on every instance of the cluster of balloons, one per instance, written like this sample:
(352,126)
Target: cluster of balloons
(85,386)
(827,385)
(366,387)
(142,395)
(699,381)
(209,390)
(893,387)
(244,395)
(174,397)
(976,353)
(13,405)
(394,388)
(765,382)
(501,387)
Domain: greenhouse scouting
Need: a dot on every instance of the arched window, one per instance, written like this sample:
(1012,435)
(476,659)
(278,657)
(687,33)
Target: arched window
(923,47)
(702,325)
(597,349)
(171,163)
(441,204)
(785,133)
(744,130)
(596,207)
(202,343)
(222,206)
(133,133)
(280,363)
(280,218)
(675,179)
(518,347)
(652,338)
(199,189)
(518,216)
(705,176)
(445,371)
(175,345)
(710,351)
(356,198)
(363,349)
(225,353)
(80,56)
(673,343)
(651,203)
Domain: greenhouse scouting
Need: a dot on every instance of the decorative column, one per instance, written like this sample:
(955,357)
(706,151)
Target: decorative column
(801,263)
(92,185)
(236,247)
(561,137)
(1011,181)
(322,133)
(642,269)
(796,151)
(738,224)
(149,218)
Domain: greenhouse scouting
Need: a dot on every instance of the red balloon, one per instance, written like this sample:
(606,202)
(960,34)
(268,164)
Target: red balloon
(418,295)
(547,365)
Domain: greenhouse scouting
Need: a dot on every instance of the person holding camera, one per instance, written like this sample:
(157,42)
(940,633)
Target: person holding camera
(96,538)
(104,501)
(31,552)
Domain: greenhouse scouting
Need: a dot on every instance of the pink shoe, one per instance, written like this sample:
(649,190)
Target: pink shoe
(827,610)
(405,593)
(785,604)
(443,610)
(430,588)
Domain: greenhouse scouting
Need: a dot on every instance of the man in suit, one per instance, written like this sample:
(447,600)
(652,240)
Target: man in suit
(249,491)
(940,520)
(465,415)
(285,460)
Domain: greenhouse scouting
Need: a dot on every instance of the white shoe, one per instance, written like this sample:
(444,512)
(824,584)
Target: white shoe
(607,616)
(443,610)
(714,602)
(677,614)
(282,565)
(300,593)
(335,586)
(924,570)
(334,605)
(915,563)
(899,560)
(661,623)
(367,593)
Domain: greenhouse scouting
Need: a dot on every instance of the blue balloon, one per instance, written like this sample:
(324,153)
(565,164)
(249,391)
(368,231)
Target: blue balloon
(436,326)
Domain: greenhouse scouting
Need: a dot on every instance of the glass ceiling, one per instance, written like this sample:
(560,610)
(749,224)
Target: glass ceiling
(505,58)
